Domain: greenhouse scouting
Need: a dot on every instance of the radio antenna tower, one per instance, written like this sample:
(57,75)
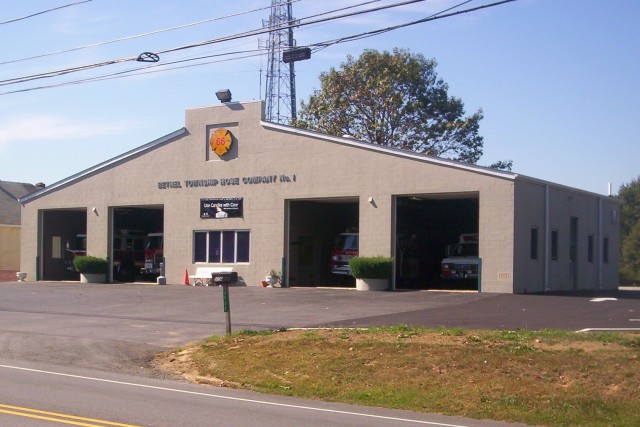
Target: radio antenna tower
(280,93)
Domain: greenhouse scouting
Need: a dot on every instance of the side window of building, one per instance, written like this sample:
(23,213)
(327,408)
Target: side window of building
(554,245)
(605,250)
(228,246)
(590,248)
(534,242)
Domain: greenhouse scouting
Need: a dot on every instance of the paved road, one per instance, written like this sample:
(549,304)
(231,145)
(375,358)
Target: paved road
(119,326)
(108,332)
(62,394)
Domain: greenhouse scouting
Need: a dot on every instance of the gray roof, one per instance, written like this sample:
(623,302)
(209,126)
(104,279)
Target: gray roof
(10,192)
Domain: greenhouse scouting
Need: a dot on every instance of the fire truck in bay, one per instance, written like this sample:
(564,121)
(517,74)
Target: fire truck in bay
(346,247)
(128,253)
(462,259)
(75,247)
(153,254)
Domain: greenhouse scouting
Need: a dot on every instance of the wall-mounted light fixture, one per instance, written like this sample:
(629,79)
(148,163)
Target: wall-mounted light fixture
(224,95)
(95,210)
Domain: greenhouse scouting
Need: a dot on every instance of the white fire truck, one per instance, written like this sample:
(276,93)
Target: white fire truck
(462,259)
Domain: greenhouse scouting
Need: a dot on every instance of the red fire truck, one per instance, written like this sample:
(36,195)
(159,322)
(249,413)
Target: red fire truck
(153,254)
(346,247)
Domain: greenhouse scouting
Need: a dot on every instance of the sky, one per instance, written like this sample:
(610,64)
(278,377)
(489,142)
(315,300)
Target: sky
(558,80)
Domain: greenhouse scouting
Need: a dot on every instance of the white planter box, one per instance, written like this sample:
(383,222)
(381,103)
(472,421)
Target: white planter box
(93,278)
(372,284)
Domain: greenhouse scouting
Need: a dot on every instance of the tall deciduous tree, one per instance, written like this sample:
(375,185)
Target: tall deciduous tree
(630,195)
(630,231)
(396,100)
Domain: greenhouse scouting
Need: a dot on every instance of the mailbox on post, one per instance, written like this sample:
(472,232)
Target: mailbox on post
(225,279)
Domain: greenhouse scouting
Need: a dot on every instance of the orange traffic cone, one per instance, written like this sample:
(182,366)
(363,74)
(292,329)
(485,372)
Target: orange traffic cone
(186,277)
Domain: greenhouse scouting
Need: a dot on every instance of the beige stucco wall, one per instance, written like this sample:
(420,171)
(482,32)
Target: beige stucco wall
(9,247)
(597,217)
(307,166)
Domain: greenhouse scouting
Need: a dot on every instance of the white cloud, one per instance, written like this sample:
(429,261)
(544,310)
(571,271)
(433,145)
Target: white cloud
(49,127)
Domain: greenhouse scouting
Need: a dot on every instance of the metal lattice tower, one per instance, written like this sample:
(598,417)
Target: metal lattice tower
(280,93)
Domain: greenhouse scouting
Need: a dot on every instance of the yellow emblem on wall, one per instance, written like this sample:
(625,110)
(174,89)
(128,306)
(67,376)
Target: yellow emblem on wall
(220,141)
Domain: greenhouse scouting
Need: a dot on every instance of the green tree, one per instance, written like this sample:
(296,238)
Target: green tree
(630,231)
(396,100)
(630,215)
(630,260)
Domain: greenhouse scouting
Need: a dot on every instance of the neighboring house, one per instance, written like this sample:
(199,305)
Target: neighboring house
(10,192)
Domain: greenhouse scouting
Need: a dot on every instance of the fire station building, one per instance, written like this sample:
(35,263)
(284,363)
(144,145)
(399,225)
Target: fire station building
(231,190)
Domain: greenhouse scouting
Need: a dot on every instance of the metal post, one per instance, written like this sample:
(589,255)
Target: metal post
(227,308)
(283,269)
(479,274)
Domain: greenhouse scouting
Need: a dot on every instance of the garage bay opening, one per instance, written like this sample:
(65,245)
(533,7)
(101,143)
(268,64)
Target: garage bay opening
(437,241)
(137,243)
(323,236)
(64,235)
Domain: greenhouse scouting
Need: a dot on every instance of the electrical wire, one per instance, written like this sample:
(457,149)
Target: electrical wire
(57,73)
(318,46)
(439,15)
(296,24)
(121,74)
(150,33)
(43,12)
(178,27)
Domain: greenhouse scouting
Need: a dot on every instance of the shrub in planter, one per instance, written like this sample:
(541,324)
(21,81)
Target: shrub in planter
(90,265)
(371,273)
(378,267)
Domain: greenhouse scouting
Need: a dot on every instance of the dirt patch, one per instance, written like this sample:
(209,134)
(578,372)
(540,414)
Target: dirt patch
(180,364)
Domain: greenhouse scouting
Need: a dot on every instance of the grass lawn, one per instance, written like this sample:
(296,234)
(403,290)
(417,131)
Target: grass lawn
(553,378)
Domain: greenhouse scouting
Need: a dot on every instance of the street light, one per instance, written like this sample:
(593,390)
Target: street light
(224,95)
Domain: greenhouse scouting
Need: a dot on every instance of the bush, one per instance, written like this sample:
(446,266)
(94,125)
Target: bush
(378,267)
(90,264)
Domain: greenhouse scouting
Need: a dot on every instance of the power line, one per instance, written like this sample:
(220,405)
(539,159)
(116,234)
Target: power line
(178,27)
(297,24)
(236,36)
(150,33)
(439,15)
(320,45)
(142,70)
(43,12)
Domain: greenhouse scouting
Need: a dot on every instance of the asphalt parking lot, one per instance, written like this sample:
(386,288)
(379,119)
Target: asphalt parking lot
(108,326)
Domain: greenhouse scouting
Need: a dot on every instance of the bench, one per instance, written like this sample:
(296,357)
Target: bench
(203,275)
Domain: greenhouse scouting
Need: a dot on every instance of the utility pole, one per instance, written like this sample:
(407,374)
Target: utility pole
(280,87)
